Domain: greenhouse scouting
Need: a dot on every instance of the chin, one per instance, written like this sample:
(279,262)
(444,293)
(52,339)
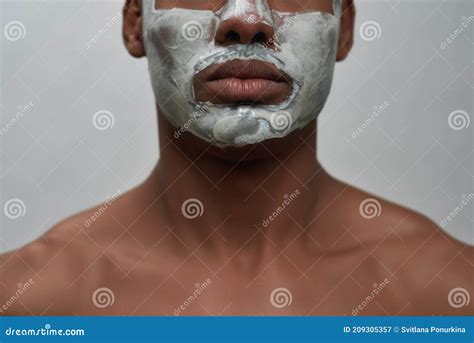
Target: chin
(271,149)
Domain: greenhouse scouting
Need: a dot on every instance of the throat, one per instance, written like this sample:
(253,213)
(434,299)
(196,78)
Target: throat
(224,205)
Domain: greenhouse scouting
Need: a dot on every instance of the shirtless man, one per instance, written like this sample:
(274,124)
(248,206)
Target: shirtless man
(238,217)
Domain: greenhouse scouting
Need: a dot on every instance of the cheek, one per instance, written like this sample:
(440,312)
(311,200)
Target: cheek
(309,51)
(179,37)
(310,37)
(165,42)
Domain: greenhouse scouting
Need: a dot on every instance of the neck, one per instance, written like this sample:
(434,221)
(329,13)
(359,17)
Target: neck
(268,190)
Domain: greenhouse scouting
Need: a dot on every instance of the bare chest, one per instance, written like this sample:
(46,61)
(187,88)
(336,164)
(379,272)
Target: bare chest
(277,290)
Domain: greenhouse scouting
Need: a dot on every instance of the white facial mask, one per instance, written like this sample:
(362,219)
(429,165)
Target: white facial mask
(181,43)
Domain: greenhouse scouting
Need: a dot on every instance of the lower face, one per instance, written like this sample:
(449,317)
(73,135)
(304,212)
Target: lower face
(240,94)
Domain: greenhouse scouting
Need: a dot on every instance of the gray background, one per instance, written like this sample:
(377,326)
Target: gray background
(58,163)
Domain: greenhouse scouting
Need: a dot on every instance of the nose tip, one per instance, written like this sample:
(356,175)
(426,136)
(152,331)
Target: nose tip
(241,31)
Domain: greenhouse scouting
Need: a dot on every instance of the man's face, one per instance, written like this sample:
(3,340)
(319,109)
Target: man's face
(240,72)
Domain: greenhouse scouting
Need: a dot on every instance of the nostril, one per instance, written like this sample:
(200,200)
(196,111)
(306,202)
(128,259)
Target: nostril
(232,37)
(260,37)
(238,31)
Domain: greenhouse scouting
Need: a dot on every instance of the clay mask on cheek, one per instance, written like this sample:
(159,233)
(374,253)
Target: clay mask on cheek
(180,43)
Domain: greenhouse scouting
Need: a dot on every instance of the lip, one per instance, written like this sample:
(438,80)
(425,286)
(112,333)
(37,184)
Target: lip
(242,82)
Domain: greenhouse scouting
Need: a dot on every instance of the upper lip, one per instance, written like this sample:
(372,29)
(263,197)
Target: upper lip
(246,69)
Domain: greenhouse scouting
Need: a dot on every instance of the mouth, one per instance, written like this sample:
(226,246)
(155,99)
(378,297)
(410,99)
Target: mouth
(243,82)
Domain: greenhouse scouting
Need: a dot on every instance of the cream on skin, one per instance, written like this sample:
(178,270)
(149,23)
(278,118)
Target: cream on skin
(180,43)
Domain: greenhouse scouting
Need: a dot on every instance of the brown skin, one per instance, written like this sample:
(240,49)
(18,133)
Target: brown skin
(320,247)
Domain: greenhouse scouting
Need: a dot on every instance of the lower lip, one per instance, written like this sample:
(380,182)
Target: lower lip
(233,90)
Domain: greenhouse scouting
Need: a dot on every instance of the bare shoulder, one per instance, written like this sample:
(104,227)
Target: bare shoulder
(432,272)
(45,272)
(74,255)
